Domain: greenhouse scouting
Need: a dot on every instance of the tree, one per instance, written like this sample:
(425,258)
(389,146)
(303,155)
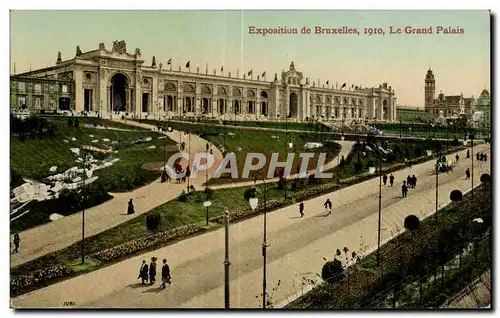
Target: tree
(485,178)
(332,271)
(153,221)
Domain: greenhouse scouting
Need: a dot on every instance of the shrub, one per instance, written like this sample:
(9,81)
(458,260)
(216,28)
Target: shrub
(332,272)
(456,195)
(412,223)
(153,221)
(250,193)
(183,196)
(15,178)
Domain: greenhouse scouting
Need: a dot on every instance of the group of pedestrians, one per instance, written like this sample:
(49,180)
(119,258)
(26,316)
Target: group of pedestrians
(391,179)
(149,273)
(481,156)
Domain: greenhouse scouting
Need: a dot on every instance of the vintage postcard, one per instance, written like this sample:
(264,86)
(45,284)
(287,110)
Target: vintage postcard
(250,159)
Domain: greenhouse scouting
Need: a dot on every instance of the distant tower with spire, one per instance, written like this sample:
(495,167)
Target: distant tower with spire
(430,89)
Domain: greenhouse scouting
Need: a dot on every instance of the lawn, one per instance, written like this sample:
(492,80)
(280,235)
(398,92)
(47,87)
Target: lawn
(33,157)
(426,130)
(282,124)
(242,142)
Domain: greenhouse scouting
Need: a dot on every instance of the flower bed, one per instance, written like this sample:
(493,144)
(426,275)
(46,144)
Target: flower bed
(141,244)
(20,282)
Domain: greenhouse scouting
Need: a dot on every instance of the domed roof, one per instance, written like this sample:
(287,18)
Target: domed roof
(485,93)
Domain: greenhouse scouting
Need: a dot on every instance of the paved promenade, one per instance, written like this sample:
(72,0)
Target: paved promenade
(297,247)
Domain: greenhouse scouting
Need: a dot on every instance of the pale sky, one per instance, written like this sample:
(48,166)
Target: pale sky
(461,63)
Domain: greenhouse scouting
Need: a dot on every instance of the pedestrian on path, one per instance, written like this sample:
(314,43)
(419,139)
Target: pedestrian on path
(467,174)
(485,157)
(477,156)
(457,157)
(481,156)
(328,206)
(413,181)
(17,240)
(165,275)
(130,209)
(404,189)
(143,272)
(384,179)
(408,181)
(152,271)
(301,209)
(468,153)
(391,179)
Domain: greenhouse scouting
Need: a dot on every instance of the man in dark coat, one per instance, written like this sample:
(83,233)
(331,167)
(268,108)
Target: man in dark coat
(165,275)
(301,209)
(130,209)
(152,271)
(477,156)
(328,206)
(413,181)
(17,240)
(467,174)
(384,179)
(143,272)
(404,189)
(391,179)
(408,181)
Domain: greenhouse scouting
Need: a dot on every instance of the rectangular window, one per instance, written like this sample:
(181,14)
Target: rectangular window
(38,88)
(21,86)
(38,102)
(21,100)
(64,88)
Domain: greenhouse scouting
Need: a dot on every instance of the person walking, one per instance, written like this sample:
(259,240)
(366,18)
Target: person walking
(457,157)
(404,189)
(143,272)
(413,181)
(477,156)
(165,275)
(328,206)
(467,174)
(481,156)
(485,157)
(468,153)
(130,209)
(408,181)
(301,209)
(391,179)
(17,240)
(152,271)
(384,179)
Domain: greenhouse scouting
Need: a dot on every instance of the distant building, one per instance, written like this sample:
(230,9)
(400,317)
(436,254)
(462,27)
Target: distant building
(482,113)
(445,107)
(414,114)
(106,81)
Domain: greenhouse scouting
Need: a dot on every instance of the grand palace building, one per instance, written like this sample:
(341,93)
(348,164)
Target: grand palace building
(106,81)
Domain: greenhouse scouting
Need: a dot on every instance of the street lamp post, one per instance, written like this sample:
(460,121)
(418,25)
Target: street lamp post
(253,205)
(437,183)
(226,259)
(286,148)
(379,209)
(206,204)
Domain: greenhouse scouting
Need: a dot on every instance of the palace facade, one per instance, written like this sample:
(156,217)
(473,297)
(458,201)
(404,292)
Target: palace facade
(106,81)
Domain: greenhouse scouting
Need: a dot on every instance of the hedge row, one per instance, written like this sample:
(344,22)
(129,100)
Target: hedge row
(145,243)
